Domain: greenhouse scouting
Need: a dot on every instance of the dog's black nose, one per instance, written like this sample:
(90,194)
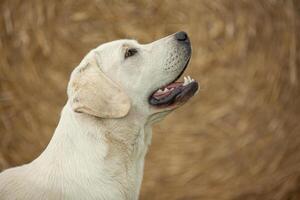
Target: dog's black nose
(181,36)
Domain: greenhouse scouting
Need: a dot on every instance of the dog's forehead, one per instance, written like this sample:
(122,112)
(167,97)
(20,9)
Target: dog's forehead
(117,44)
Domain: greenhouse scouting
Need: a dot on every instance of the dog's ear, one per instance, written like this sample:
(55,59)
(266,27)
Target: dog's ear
(90,91)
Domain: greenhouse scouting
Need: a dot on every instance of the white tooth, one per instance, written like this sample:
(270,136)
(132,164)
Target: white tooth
(189,78)
(171,89)
(186,81)
(166,90)
(159,90)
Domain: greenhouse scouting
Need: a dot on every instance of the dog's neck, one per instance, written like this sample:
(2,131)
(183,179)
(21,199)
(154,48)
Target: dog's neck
(104,156)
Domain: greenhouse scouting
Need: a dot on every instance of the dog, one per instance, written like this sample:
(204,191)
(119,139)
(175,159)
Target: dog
(98,149)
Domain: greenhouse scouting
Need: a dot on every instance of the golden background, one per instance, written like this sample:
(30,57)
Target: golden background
(239,138)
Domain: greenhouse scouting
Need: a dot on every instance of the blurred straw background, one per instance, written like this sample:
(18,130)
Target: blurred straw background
(238,139)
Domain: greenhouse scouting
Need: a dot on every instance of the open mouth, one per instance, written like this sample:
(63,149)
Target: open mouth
(174,93)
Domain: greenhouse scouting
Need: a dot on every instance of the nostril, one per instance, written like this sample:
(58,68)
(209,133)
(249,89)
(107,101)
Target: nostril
(181,36)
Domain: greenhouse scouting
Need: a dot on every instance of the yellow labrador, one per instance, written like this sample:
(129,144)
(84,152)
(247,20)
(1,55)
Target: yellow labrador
(114,96)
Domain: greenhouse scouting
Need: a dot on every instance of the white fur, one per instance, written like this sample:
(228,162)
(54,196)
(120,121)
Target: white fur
(94,155)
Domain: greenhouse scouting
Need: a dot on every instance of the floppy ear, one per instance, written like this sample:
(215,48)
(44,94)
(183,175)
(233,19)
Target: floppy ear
(93,93)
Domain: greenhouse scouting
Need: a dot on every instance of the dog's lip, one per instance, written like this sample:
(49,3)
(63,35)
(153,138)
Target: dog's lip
(174,94)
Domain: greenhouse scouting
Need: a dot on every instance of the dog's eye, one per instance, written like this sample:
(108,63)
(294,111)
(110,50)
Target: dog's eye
(130,52)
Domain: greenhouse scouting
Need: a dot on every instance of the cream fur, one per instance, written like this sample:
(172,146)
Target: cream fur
(98,148)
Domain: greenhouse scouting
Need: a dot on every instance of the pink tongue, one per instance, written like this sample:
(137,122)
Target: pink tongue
(174,85)
(164,94)
(161,95)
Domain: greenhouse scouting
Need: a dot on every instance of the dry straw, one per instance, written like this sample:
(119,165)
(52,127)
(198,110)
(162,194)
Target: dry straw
(238,139)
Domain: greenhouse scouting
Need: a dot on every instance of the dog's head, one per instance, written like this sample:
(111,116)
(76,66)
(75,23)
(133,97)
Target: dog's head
(123,75)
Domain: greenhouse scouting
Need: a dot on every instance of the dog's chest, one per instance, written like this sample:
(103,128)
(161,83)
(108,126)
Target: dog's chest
(116,173)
